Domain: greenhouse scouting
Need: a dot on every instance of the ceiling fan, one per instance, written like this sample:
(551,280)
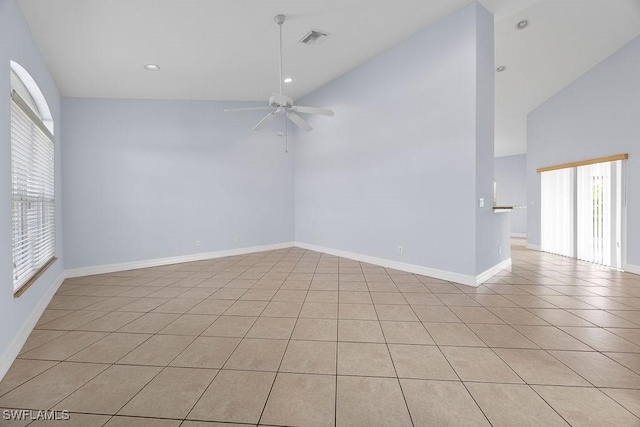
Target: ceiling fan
(280,104)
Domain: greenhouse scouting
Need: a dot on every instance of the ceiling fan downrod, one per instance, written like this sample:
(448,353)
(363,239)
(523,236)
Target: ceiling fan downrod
(281,104)
(279,19)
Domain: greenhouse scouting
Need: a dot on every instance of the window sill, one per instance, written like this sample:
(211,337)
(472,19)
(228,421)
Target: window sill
(21,290)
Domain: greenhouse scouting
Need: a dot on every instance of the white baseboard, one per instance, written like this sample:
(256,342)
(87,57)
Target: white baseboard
(632,268)
(519,235)
(411,268)
(112,268)
(533,247)
(6,359)
(483,277)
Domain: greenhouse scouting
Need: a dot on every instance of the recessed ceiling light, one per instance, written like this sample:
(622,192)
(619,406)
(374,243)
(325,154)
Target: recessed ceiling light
(152,67)
(501,68)
(522,24)
(288,80)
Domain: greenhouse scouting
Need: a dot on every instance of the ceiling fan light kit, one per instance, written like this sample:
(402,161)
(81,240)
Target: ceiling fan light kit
(281,104)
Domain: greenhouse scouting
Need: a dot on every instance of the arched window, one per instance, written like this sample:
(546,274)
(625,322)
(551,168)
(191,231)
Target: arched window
(32,180)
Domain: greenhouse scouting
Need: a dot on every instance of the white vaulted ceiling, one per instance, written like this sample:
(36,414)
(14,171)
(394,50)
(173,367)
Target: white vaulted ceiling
(227,49)
(214,49)
(564,39)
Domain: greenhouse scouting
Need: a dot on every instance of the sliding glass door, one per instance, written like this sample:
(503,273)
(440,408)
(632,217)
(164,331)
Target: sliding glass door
(582,212)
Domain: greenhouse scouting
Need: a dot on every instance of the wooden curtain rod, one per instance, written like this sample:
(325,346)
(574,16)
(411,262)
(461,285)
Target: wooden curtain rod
(584,163)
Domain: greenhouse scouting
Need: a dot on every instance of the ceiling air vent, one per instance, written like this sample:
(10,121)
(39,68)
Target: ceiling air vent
(314,37)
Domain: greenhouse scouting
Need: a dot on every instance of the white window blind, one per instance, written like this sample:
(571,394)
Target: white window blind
(582,210)
(33,199)
(594,213)
(600,213)
(557,209)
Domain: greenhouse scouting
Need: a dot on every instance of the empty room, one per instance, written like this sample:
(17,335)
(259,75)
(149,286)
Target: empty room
(331,213)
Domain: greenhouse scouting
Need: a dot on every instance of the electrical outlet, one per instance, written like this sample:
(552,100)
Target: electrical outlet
(197,242)
(500,250)
(237,239)
(399,249)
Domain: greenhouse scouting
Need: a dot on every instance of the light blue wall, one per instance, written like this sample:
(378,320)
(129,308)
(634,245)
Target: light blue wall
(402,164)
(492,236)
(147,179)
(597,115)
(17,44)
(511,179)
(396,166)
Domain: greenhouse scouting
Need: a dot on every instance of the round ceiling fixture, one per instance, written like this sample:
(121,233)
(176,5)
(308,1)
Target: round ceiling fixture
(522,24)
(152,67)
(501,68)
(288,80)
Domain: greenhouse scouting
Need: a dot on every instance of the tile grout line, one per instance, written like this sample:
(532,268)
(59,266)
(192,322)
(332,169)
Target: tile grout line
(275,377)
(234,350)
(162,369)
(389,350)
(335,397)
(468,294)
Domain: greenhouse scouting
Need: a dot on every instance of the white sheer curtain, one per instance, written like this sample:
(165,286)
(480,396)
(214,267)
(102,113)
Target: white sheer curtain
(557,205)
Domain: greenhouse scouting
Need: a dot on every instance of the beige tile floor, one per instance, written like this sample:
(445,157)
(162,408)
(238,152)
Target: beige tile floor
(298,338)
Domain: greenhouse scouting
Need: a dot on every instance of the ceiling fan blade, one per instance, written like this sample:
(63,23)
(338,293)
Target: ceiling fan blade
(264,121)
(299,121)
(233,110)
(312,110)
